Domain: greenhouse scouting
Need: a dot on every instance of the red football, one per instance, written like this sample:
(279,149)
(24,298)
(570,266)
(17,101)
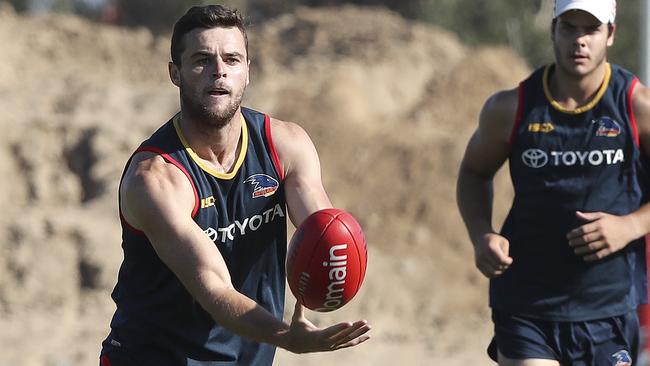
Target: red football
(327,258)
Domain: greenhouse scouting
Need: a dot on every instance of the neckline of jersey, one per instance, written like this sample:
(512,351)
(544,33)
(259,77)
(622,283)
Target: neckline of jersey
(199,161)
(584,108)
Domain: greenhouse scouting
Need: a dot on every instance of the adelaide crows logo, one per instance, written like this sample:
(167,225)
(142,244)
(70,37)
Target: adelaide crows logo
(607,127)
(263,185)
(622,358)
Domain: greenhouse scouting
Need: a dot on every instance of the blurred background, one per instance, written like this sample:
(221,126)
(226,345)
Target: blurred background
(388,90)
(521,25)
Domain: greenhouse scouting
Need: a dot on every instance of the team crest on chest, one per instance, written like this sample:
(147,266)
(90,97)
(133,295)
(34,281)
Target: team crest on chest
(263,185)
(622,358)
(607,127)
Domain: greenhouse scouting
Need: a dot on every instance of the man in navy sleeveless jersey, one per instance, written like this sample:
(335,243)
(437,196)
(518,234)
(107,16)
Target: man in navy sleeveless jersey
(567,271)
(203,205)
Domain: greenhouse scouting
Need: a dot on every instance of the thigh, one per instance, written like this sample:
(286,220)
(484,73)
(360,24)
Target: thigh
(520,339)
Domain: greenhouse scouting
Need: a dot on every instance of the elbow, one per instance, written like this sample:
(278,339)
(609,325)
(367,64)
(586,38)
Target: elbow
(468,173)
(470,182)
(209,286)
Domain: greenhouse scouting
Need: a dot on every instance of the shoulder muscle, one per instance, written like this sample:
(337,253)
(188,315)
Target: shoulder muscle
(489,146)
(304,189)
(292,144)
(153,187)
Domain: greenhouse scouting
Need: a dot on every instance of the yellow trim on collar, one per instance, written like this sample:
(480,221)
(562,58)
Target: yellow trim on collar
(584,108)
(199,161)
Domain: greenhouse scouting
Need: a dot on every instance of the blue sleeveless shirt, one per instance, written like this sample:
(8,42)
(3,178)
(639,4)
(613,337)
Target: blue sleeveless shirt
(244,213)
(563,161)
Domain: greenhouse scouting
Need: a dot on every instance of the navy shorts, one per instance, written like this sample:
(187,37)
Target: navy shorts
(601,342)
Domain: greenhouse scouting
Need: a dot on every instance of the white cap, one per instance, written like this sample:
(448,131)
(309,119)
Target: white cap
(603,10)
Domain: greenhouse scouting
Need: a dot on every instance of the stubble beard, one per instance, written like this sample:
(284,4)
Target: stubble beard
(203,115)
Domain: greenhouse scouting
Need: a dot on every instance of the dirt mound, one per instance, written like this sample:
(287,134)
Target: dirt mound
(389,104)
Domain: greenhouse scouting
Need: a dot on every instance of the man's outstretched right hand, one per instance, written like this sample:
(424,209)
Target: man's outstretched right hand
(303,336)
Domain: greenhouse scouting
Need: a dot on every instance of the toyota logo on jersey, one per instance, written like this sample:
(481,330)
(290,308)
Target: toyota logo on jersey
(534,158)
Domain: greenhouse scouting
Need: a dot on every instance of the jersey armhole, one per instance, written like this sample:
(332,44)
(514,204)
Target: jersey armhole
(274,154)
(630,111)
(104,361)
(170,160)
(517,121)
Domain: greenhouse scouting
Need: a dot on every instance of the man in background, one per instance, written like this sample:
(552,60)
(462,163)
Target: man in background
(568,268)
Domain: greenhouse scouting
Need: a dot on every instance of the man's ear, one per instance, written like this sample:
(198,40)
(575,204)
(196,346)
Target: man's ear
(553,25)
(611,31)
(248,72)
(174,74)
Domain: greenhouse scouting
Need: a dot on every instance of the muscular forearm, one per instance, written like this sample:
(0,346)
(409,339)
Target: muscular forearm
(474,197)
(243,316)
(640,221)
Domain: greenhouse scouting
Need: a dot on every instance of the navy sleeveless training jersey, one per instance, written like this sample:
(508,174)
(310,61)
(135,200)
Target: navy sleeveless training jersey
(563,161)
(244,213)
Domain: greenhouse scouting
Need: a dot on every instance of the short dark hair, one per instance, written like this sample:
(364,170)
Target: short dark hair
(209,16)
(610,26)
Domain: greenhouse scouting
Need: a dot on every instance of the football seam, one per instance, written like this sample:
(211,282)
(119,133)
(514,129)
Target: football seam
(360,280)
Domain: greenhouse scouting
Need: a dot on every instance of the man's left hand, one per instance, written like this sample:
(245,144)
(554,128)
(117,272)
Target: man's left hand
(601,235)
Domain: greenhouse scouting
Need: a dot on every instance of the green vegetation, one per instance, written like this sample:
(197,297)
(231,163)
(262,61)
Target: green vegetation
(525,26)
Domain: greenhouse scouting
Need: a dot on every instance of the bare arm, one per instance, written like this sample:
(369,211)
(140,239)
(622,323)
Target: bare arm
(303,185)
(641,104)
(486,152)
(603,233)
(198,264)
(188,252)
(196,261)
(305,195)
